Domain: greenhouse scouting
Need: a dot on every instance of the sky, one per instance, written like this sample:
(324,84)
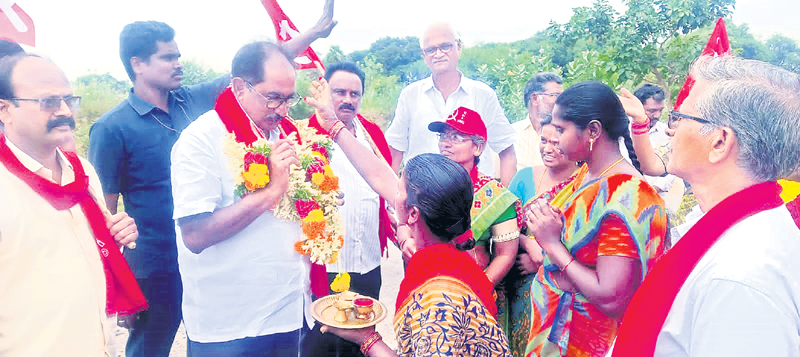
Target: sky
(82,36)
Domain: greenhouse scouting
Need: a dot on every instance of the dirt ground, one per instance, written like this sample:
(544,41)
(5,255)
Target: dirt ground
(391,273)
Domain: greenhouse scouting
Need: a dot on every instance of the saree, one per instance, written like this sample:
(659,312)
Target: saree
(496,217)
(520,304)
(445,307)
(616,215)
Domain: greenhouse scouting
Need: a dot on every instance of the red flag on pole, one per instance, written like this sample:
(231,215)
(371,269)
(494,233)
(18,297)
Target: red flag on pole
(718,44)
(285,31)
(15,24)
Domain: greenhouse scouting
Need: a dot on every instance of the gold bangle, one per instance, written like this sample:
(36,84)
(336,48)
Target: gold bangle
(369,342)
(335,129)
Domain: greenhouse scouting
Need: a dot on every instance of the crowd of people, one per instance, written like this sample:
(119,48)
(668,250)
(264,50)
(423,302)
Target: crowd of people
(566,245)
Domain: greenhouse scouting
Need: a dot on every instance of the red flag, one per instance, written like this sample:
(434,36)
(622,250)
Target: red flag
(15,24)
(718,44)
(285,31)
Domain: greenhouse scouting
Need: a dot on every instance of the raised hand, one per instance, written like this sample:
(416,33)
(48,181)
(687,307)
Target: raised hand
(633,106)
(320,100)
(326,23)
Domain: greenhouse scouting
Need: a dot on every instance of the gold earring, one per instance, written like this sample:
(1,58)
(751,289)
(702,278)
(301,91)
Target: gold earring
(591,144)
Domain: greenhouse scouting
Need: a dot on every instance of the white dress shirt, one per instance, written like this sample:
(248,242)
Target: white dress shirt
(527,147)
(420,104)
(361,252)
(251,284)
(743,297)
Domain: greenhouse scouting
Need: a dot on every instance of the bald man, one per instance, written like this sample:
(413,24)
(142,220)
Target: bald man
(434,98)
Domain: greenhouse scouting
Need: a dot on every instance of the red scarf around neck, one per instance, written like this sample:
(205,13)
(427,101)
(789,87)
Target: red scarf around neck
(652,302)
(123,295)
(445,260)
(794,210)
(385,230)
(238,123)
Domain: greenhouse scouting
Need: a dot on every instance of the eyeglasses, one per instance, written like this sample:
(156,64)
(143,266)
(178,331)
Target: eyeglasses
(548,94)
(53,104)
(343,93)
(445,47)
(676,116)
(276,101)
(453,137)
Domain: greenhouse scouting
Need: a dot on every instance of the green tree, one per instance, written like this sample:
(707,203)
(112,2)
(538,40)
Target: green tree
(785,52)
(635,41)
(380,93)
(99,93)
(195,71)
(392,53)
(334,54)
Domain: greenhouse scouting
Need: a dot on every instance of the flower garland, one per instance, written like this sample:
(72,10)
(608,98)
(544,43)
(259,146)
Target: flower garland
(312,197)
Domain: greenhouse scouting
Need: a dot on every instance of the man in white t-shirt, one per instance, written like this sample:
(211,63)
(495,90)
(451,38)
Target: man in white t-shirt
(434,98)
(245,290)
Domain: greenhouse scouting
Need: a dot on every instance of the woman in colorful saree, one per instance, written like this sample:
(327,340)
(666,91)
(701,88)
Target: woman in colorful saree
(530,184)
(445,304)
(600,234)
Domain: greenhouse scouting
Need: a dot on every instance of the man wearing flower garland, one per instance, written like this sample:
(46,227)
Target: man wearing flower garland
(130,145)
(246,290)
(367,224)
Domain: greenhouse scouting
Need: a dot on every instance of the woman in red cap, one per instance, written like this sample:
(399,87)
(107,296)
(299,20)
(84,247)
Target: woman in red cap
(495,224)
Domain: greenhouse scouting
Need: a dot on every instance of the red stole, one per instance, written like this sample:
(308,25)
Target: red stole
(651,303)
(237,123)
(794,209)
(385,230)
(445,260)
(123,295)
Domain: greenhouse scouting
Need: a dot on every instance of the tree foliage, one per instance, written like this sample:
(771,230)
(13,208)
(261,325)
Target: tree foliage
(195,71)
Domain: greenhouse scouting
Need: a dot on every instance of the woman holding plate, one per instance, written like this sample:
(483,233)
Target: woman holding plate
(445,304)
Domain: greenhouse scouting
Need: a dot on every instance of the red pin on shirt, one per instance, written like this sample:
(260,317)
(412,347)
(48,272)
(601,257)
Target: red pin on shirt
(15,24)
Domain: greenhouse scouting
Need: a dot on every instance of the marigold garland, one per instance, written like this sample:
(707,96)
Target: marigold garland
(312,197)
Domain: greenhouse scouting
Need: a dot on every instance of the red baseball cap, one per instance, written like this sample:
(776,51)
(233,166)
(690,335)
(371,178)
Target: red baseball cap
(464,120)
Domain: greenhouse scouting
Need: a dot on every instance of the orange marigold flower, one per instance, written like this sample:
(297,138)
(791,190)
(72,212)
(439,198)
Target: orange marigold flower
(313,229)
(334,257)
(329,184)
(298,247)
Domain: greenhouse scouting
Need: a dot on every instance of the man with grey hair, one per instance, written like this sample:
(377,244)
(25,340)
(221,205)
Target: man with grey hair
(539,95)
(731,285)
(434,98)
